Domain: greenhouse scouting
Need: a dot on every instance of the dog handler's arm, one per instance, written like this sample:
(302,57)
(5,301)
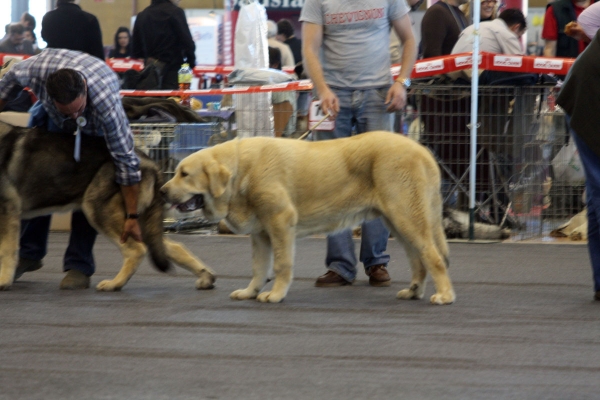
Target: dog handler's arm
(132,226)
(396,96)
(312,39)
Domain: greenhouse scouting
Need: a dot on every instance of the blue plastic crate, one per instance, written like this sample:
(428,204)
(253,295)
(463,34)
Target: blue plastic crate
(189,138)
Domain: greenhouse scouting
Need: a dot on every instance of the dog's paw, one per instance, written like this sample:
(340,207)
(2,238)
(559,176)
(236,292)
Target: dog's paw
(443,298)
(5,286)
(409,294)
(205,281)
(108,286)
(576,236)
(269,297)
(243,294)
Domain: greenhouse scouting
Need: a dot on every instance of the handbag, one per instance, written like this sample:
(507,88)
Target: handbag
(567,165)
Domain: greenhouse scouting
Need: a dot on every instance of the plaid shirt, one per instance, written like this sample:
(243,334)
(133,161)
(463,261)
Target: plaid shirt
(104,111)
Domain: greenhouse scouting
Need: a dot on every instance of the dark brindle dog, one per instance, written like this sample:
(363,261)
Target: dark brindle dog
(38,176)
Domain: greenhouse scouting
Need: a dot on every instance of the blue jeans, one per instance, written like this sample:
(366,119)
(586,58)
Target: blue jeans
(34,232)
(591,166)
(365,109)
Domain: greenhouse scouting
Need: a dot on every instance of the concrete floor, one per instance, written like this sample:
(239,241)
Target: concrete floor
(524,326)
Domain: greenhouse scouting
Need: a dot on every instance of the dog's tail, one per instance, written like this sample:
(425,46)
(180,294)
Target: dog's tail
(151,222)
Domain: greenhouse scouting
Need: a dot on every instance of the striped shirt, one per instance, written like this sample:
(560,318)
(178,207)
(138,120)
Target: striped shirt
(104,111)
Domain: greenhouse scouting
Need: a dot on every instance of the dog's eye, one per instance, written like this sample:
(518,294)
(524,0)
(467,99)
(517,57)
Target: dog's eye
(184,174)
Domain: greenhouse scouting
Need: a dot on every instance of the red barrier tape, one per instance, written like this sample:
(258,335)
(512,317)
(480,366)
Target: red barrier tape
(422,69)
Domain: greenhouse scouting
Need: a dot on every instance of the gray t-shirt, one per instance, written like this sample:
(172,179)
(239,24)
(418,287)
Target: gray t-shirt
(356,38)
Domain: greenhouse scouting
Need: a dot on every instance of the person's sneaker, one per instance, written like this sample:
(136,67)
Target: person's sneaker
(75,280)
(378,276)
(27,265)
(331,279)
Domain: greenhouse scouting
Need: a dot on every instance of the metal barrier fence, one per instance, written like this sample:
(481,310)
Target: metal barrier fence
(520,138)
(169,143)
(520,135)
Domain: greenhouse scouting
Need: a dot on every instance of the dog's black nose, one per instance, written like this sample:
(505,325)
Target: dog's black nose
(163,194)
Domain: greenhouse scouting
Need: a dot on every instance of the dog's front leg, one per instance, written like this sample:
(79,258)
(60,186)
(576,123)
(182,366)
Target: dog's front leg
(261,261)
(283,242)
(9,245)
(185,259)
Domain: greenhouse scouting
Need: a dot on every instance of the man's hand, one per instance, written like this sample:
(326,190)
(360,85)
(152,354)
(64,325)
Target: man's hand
(574,30)
(131,229)
(396,97)
(329,103)
(132,226)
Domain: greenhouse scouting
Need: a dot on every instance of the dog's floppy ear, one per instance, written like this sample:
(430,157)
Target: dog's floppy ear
(218,177)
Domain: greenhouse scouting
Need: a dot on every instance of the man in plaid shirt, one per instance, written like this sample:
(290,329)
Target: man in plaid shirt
(69,85)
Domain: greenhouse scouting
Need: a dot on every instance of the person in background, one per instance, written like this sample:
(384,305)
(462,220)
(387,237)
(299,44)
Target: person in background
(14,42)
(285,34)
(28,21)
(587,24)
(69,85)
(29,35)
(579,98)
(286,58)
(354,84)
(487,11)
(283,114)
(558,14)
(161,35)
(501,35)
(122,47)
(69,27)
(442,24)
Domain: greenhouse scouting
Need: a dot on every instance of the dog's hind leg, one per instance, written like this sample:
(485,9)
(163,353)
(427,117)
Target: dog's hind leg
(261,262)
(418,233)
(108,218)
(181,256)
(9,245)
(419,273)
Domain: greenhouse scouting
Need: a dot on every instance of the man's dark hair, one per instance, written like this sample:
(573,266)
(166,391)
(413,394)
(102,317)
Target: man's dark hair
(64,1)
(285,28)
(16,29)
(65,85)
(514,16)
(274,58)
(30,19)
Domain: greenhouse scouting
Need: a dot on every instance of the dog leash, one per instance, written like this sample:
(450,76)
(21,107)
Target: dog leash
(308,132)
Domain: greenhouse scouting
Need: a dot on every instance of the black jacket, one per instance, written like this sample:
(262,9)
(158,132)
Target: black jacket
(161,32)
(564,12)
(579,95)
(69,27)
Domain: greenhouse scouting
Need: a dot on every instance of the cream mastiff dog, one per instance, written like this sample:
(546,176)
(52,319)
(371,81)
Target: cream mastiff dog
(277,190)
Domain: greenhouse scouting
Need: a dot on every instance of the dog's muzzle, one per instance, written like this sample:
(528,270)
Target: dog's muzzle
(195,203)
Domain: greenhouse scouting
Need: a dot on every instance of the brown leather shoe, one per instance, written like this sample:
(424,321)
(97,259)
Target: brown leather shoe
(378,276)
(26,265)
(331,279)
(74,280)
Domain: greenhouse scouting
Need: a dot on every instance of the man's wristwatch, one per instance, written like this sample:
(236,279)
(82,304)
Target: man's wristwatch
(132,216)
(404,82)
